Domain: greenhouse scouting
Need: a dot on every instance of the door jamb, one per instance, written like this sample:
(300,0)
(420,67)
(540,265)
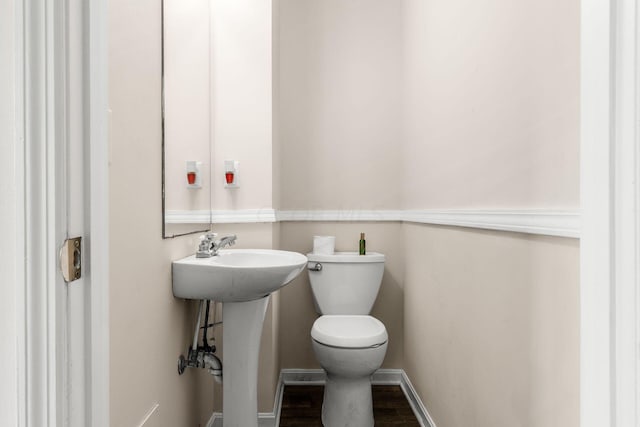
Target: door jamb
(98,209)
(610,240)
(40,125)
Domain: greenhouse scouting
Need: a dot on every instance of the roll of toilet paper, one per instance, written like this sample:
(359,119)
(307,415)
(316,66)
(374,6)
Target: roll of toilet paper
(324,245)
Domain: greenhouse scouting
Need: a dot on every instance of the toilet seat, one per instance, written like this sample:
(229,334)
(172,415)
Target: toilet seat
(349,331)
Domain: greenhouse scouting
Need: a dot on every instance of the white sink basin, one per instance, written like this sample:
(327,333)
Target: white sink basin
(235,274)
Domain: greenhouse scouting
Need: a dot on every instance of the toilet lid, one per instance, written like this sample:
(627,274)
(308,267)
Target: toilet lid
(349,331)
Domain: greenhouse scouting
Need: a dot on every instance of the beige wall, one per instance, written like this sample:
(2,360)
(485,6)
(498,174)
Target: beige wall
(339,98)
(492,326)
(491,104)
(148,327)
(491,119)
(276,144)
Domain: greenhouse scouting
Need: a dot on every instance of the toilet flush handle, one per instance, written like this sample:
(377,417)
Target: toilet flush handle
(316,267)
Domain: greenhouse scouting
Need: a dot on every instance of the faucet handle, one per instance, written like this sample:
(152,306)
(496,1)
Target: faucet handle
(204,242)
(206,245)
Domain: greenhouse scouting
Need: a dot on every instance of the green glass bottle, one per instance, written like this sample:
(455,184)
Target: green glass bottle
(363,246)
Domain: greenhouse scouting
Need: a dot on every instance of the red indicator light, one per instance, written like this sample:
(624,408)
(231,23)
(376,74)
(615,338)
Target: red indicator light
(191,178)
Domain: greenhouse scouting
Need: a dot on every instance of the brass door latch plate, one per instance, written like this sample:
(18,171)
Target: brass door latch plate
(71,259)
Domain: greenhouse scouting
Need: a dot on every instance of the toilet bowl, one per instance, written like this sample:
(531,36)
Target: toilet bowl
(349,344)
(350,349)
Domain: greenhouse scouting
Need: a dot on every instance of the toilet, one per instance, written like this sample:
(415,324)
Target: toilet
(349,344)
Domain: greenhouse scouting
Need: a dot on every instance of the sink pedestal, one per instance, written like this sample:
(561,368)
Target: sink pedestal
(241,331)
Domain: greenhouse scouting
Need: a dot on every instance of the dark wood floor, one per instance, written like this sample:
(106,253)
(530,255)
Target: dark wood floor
(302,407)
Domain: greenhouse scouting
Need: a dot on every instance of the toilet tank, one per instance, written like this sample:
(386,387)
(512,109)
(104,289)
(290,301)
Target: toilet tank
(347,283)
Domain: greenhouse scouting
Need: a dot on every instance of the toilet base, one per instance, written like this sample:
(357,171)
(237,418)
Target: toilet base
(347,402)
(348,399)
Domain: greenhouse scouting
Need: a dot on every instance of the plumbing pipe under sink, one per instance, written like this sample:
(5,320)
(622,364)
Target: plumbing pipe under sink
(203,356)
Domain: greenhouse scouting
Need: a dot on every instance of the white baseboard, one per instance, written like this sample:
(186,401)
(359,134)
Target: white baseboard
(263,421)
(318,377)
(380,377)
(149,414)
(424,418)
(302,377)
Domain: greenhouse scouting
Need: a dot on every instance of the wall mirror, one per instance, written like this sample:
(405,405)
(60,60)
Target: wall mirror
(186,117)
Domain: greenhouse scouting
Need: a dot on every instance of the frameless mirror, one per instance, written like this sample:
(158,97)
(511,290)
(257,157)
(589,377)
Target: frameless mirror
(186,117)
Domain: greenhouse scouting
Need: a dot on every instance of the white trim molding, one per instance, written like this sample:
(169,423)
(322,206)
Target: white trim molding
(318,377)
(625,228)
(187,217)
(220,216)
(339,215)
(97,78)
(565,223)
(150,415)
(610,245)
(549,222)
(12,218)
(42,134)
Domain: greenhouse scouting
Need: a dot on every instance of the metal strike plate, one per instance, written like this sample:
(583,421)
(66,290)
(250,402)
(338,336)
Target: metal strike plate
(71,259)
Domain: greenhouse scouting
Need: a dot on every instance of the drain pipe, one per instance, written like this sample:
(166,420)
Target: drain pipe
(202,357)
(205,342)
(194,347)
(212,362)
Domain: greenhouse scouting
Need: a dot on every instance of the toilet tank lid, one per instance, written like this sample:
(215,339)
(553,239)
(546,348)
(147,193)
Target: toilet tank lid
(349,331)
(351,257)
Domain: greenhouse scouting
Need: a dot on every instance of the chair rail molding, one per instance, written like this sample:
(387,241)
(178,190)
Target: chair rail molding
(561,223)
(549,222)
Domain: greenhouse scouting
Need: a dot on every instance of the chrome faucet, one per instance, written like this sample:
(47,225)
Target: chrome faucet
(209,246)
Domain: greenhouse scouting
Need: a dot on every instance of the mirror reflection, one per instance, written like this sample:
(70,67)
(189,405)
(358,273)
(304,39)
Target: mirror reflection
(186,40)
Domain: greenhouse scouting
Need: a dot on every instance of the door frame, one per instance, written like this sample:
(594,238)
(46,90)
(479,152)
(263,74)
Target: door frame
(98,208)
(40,145)
(41,130)
(610,240)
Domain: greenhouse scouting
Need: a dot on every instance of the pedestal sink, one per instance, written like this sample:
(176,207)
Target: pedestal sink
(242,279)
